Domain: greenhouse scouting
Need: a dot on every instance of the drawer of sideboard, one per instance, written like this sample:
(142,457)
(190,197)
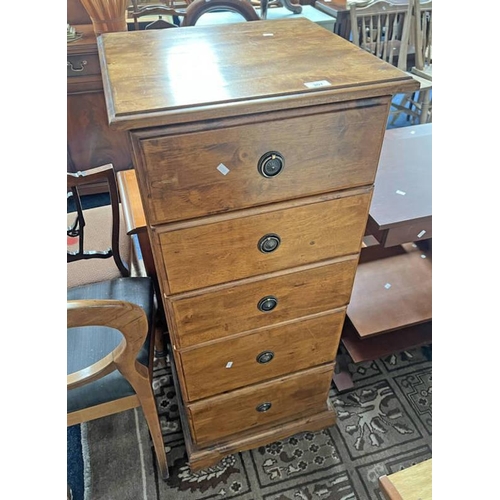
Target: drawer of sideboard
(262,355)
(191,174)
(212,252)
(83,65)
(220,313)
(294,396)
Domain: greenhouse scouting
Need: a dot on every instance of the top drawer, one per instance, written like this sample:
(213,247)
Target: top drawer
(185,174)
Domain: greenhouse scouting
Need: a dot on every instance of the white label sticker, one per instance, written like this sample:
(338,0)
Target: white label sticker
(419,235)
(268,34)
(387,286)
(315,85)
(402,193)
(223,169)
(423,256)
(229,364)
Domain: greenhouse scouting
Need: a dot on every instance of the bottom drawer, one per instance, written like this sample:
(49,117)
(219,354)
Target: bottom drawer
(284,399)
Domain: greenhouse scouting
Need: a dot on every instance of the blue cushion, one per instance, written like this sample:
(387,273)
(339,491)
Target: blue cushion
(86,345)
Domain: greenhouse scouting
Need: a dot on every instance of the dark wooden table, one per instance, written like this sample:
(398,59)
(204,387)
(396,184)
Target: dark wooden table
(401,208)
(391,302)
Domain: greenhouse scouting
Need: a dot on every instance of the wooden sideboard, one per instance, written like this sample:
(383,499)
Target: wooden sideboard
(255,158)
(90,140)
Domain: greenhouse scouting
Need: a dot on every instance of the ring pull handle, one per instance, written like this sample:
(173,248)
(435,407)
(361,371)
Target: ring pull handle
(271,164)
(83,63)
(263,407)
(267,304)
(269,243)
(265,357)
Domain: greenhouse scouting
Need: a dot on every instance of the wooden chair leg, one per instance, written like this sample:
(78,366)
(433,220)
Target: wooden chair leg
(160,350)
(146,398)
(425,102)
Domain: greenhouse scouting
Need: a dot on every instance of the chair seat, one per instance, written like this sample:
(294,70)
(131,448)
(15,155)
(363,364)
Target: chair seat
(87,345)
(425,83)
(423,73)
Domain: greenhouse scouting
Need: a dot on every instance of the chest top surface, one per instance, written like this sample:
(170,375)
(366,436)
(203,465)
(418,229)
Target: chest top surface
(158,77)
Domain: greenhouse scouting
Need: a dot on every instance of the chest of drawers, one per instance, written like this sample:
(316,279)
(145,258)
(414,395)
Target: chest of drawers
(256,147)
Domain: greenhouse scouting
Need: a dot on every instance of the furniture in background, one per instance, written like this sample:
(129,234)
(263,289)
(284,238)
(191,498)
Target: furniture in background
(163,14)
(224,16)
(256,196)
(417,106)
(383,29)
(391,303)
(90,140)
(412,483)
(111,321)
(339,9)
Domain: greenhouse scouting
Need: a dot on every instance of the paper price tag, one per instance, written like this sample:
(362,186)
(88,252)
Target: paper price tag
(319,83)
(223,169)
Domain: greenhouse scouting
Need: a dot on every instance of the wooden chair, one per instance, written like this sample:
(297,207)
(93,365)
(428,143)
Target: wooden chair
(110,322)
(98,246)
(383,29)
(171,9)
(418,106)
(198,8)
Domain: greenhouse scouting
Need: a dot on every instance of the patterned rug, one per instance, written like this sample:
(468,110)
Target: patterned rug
(384,425)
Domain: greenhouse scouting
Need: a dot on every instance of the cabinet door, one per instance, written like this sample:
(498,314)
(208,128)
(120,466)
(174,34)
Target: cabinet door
(91,142)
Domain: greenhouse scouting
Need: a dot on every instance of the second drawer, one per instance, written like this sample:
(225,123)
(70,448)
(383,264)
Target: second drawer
(269,240)
(260,356)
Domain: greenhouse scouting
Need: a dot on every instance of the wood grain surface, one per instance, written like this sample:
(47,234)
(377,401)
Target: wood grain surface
(219,313)
(234,362)
(215,170)
(197,69)
(291,397)
(204,255)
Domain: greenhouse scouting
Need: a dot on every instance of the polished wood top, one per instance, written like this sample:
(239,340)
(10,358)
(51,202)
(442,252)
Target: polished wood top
(413,483)
(403,185)
(157,77)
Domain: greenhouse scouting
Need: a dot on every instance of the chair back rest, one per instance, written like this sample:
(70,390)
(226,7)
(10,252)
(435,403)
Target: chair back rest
(106,222)
(168,8)
(383,29)
(422,29)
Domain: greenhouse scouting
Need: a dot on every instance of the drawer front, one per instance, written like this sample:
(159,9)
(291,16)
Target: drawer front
(292,397)
(260,356)
(272,240)
(221,313)
(83,65)
(195,174)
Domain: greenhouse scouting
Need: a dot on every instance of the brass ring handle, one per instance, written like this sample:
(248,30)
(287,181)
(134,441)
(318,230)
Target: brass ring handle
(267,304)
(271,164)
(265,357)
(81,68)
(264,407)
(269,243)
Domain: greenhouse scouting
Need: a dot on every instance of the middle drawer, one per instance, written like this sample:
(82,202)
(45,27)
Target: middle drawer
(219,313)
(263,241)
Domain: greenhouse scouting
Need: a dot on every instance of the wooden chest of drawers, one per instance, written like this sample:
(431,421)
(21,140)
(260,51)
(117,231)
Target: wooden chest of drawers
(255,155)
